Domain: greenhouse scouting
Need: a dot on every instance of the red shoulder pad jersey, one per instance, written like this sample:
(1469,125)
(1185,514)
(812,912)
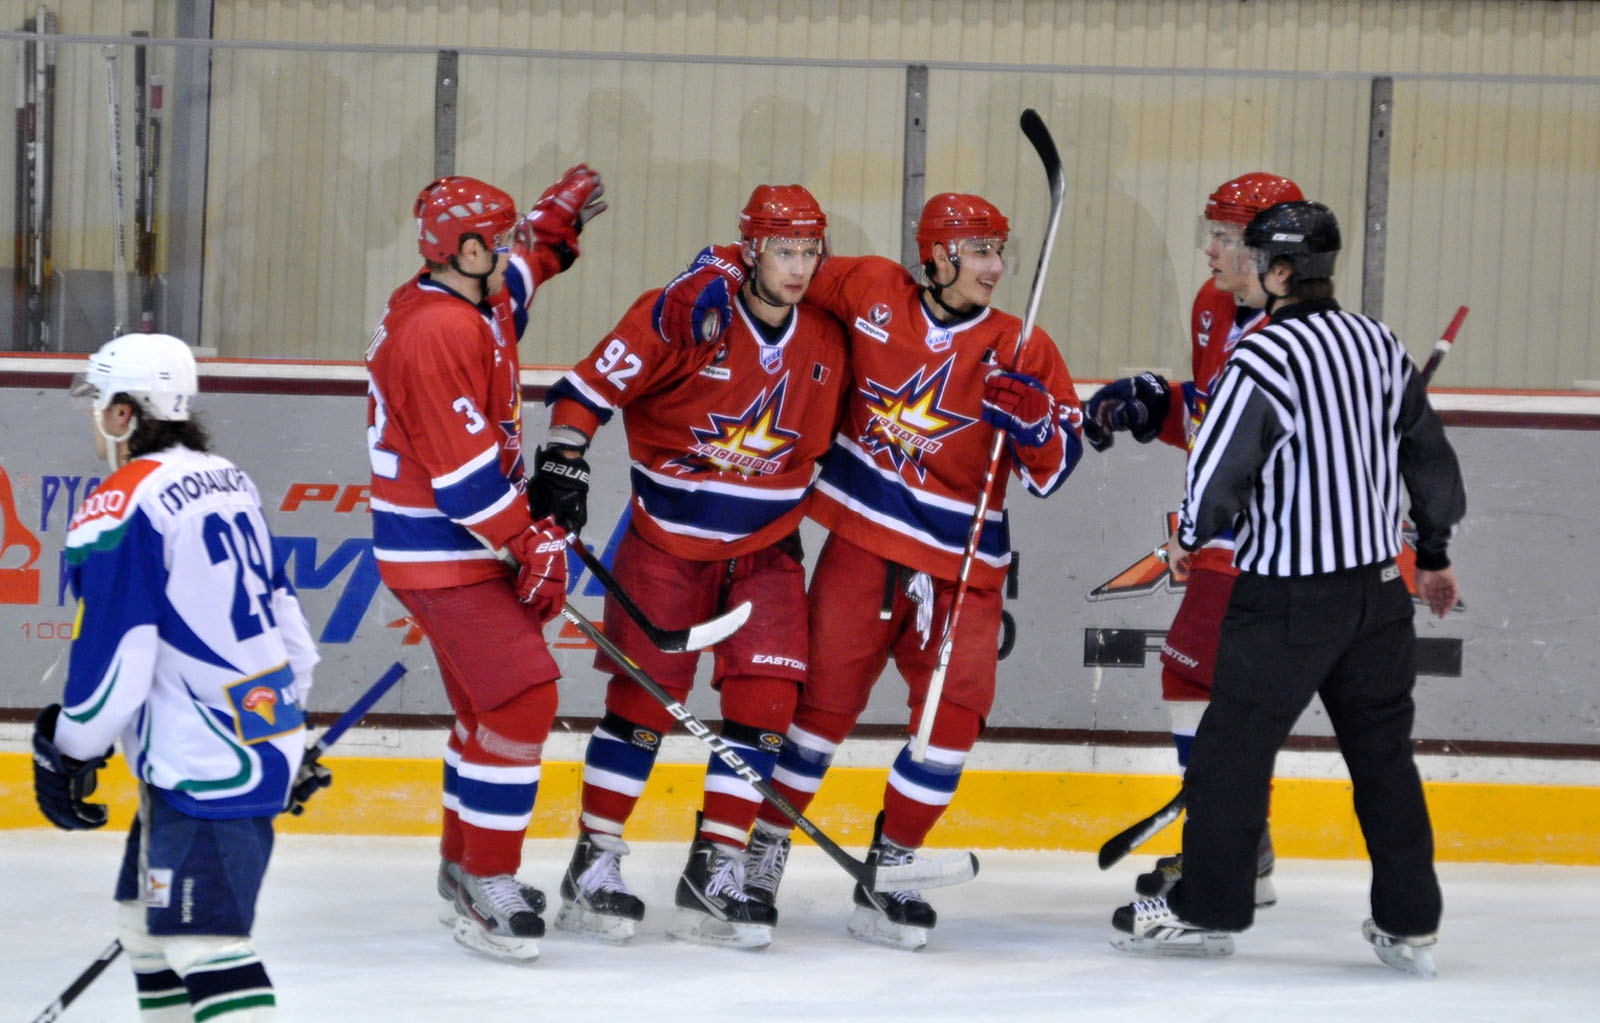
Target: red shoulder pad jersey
(723,438)
(1214,330)
(444,431)
(906,469)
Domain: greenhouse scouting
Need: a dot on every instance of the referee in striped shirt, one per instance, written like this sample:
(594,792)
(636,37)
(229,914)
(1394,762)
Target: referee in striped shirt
(1317,420)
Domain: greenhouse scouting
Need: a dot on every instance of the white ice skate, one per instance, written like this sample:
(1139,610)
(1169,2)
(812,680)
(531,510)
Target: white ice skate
(1150,927)
(448,881)
(1412,955)
(495,919)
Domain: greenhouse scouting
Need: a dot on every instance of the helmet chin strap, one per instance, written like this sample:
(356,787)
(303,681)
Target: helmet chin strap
(936,290)
(113,442)
(483,278)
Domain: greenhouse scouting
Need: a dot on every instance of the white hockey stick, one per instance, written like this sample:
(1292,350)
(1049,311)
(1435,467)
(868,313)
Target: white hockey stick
(119,268)
(1033,127)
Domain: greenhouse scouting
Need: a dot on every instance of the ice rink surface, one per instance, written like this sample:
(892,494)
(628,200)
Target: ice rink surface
(348,929)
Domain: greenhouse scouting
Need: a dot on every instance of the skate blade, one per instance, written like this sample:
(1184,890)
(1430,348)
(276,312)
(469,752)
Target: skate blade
(448,915)
(517,950)
(613,930)
(1199,946)
(872,926)
(1417,962)
(702,929)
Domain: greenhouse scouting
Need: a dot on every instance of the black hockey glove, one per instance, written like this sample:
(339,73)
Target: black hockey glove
(60,783)
(559,487)
(311,777)
(1136,404)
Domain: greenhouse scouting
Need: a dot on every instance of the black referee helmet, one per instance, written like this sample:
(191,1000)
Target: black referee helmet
(1304,232)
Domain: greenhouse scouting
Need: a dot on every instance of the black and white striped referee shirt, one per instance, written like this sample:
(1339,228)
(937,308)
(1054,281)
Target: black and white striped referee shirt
(1316,420)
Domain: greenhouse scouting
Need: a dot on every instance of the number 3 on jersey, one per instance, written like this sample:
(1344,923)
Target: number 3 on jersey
(617,363)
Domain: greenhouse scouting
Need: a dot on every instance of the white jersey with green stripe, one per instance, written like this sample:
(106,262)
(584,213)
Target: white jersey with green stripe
(190,643)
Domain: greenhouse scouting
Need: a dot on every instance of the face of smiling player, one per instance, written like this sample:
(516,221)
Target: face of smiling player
(979,265)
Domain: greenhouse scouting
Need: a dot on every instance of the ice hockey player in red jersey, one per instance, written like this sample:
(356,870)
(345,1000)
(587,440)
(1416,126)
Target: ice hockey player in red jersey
(723,440)
(1229,305)
(933,375)
(444,432)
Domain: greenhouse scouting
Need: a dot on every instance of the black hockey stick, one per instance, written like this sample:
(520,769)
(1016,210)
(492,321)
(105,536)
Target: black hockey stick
(673,641)
(919,873)
(357,711)
(1034,128)
(1127,841)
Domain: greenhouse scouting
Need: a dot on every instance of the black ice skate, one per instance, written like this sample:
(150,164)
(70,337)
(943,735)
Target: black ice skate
(594,900)
(1413,955)
(1150,927)
(494,918)
(448,882)
(713,908)
(897,919)
(764,860)
(1168,869)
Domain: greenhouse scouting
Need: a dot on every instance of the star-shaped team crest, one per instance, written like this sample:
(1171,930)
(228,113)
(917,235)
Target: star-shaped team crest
(751,443)
(908,421)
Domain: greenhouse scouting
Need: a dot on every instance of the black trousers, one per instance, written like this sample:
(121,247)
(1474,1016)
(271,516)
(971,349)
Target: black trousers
(1347,637)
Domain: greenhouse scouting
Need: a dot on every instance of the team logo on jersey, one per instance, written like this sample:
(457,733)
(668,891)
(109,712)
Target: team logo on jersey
(939,339)
(880,315)
(909,421)
(771,357)
(750,443)
(264,706)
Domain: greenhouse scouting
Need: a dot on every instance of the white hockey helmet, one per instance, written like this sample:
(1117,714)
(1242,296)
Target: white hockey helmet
(156,370)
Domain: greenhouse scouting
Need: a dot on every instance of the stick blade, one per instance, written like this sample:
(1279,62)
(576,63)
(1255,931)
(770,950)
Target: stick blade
(1122,844)
(1033,127)
(713,630)
(927,872)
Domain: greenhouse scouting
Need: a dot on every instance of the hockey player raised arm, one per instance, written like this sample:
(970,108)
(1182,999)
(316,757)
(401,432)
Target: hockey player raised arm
(548,236)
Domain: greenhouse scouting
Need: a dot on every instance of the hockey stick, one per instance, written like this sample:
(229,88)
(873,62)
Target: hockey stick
(357,711)
(54,1010)
(1127,841)
(919,873)
(673,641)
(1033,127)
(119,262)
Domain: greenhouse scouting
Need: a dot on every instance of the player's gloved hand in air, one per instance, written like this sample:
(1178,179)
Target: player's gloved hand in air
(1019,405)
(559,486)
(565,207)
(541,551)
(61,783)
(311,777)
(698,305)
(1136,404)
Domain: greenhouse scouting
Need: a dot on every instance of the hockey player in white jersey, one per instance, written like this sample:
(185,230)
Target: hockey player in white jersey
(191,647)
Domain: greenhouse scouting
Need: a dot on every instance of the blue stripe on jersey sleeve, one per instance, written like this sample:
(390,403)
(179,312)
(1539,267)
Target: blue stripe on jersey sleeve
(563,388)
(474,493)
(889,502)
(121,579)
(391,532)
(706,511)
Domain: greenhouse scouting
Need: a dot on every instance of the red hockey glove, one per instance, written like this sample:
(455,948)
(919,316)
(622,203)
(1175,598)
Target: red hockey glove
(1019,405)
(541,550)
(698,305)
(565,207)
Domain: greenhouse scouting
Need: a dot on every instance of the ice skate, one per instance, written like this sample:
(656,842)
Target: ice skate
(1413,955)
(1150,927)
(897,919)
(713,908)
(494,918)
(447,883)
(594,900)
(1158,882)
(764,860)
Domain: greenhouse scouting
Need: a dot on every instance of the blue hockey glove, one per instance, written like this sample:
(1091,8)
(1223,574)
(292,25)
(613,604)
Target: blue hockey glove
(698,305)
(60,783)
(1019,405)
(1136,404)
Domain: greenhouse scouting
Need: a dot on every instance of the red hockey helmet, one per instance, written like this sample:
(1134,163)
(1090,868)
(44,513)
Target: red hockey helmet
(952,216)
(1239,200)
(781,211)
(449,209)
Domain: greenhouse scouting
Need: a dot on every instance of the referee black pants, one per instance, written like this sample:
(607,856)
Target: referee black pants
(1348,638)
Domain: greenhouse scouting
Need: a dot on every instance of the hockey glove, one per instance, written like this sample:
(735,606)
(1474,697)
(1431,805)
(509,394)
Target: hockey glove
(61,783)
(559,487)
(541,551)
(698,305)
(311,777)
(562,211)
(1136,404)
(1019,405)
